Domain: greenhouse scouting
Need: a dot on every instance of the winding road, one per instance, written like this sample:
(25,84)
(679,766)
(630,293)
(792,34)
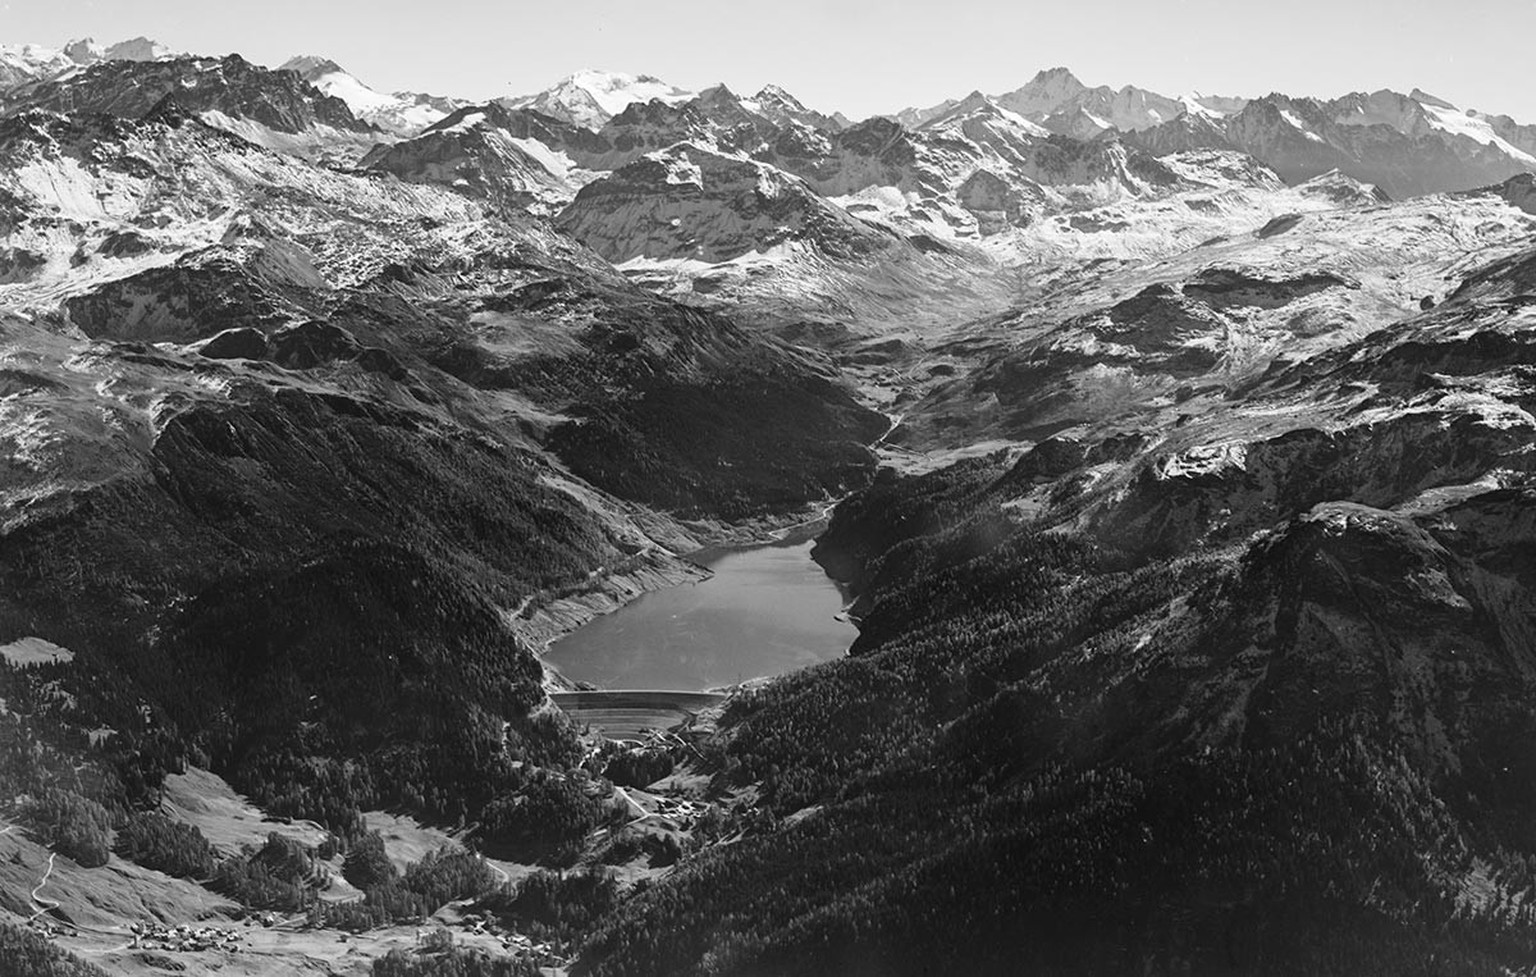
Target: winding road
(41,900)
(37,898)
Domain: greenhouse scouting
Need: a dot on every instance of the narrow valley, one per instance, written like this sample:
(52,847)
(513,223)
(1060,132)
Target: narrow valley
(632,530)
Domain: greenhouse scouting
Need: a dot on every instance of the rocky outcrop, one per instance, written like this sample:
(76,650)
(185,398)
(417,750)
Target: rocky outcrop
(692,203)
(1404,144)
(199,295)
(1055,96)
(231,86)
(475,156)
(591,98)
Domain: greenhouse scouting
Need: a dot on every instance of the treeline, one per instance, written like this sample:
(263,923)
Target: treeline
(24,953)
(72,825)
(983,615)
(562,908)
(341,648)
(78,727)
(287,875)
(283,874)
(441,877)
(453,962)
(734,448)
(894,509)
(1310,860)
(409,670)
(155,841)
(546,818)
(1025,767)
(638,766)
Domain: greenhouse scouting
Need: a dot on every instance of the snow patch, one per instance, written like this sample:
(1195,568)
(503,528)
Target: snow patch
(467,123)
(1295,122)
(680,170)
(590,97)
(1456,122)
(552,160)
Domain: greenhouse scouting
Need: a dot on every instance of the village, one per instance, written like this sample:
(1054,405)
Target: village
(183,938)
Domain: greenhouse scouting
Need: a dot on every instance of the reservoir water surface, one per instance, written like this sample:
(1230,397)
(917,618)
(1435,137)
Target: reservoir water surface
(766,611)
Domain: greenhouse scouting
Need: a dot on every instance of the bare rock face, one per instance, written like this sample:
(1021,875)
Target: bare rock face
(1405,144)
(199,295)
(1519,190)
(86,51)
(471,153)
(1185,133)
(1421,617)
(399,113)
(996,204)
(19,264)
(591,98)
(240,343)
(29,63)
(692,203)
(232,86)
(1056,99)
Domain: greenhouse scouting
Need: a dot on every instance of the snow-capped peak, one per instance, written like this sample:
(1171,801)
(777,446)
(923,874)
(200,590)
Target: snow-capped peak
(1192,106)
(332,79)
(1217,106)
(87,51)
(1384,107)
(1057,79)
(591,97)
(30,61)
(1425,98)
(1045,94)
(310,66)
(1451,120)
(1290,118)
(977,104)
(400,113)
(774,95)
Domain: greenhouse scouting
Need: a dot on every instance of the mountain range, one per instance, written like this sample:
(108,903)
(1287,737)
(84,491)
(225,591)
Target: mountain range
(1178,455)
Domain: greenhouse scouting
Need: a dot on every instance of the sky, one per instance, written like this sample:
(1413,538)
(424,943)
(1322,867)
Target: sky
(860,57)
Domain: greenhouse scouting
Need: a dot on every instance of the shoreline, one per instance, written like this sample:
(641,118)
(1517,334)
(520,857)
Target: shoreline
(656,569)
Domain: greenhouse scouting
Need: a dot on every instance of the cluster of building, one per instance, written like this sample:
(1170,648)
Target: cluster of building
(183,938)
(543,954)
(681,810)
(51,928)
